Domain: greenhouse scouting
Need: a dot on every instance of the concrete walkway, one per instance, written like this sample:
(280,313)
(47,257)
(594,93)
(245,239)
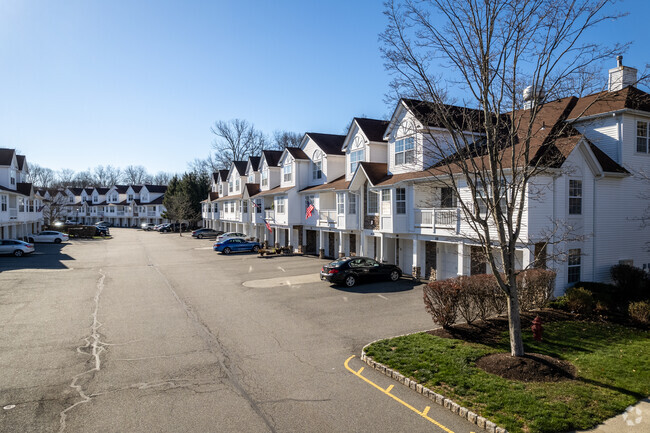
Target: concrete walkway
(635,419)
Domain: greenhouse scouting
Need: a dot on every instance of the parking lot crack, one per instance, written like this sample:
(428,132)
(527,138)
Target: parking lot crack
(92,347)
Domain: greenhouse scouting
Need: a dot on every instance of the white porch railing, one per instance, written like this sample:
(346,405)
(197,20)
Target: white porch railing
(269,215)
(436,218)
(151,213)
(327,217)
(13,213)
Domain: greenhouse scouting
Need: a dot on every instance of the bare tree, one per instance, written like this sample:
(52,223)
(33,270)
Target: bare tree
(113,176)
(488,145)
(84,179)
(65,177)
(284,139)
(41,177)
(204,167)
(236,140)
(161,178)
(135,175)
(53,208)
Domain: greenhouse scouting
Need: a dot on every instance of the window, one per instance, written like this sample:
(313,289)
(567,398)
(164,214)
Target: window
(447,198)
(481,197)
(21,204)
(251,177)
(405,151)
(642,137)
(130,197)
(3,203)
(373,207)
(340,203)
(355,158)
(230,186)
(71,199)
(400,200)
(220,189)
(244,206)
(317,170)
(258,208)
(575,197)
(280,204)
(30,203)
(237,184)
(95,199)
(13,177)
(352,203)
(385,201)
(287,172)
(574,266)
(478,262)
(265,177)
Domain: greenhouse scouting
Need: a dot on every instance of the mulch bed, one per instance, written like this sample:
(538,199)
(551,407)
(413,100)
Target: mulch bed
(529,368)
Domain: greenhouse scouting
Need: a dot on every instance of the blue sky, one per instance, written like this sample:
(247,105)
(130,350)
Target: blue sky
(89,82)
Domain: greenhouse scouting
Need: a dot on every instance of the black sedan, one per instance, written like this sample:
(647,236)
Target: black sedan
(205,233)
(350,270)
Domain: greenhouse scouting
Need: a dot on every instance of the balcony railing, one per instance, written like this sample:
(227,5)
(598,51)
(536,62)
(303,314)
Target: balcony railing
(151,213)
(436,218)
(327,217)
(269,215)
(13,213)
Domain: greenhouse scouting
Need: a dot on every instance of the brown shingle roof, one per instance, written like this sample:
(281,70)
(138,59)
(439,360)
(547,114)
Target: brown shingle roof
(229,197)
(276,190)
(337,184)
(605,102)
(375,171)
(372,128)
(252,189)
(297,153)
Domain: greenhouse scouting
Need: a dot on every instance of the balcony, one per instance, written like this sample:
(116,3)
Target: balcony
(327,217)
(437,218)
(269,215)
(120,213)
(151,213)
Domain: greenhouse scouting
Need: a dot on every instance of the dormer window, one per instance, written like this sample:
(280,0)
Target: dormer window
(642,137)
(237,184)
(317,170)
(355,158)
(405,151)
(230,186)
(287,172)
(71,199)
(220,189)
(130,197)
(251,177)
(95,199)
(265,177)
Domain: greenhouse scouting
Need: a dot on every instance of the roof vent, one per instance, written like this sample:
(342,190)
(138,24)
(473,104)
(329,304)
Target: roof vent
(532,95)
(621,76)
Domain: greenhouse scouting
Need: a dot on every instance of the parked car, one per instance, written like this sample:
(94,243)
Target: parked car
(229,235)
(49,236)
(15,247)
(70,222)
(206,233)
(147,226)
(173,227)
(164,228)
(102,231)
(351,270)
(232,245)
(104,223)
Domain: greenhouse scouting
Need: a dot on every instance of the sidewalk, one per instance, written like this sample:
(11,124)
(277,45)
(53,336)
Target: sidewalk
(635,419)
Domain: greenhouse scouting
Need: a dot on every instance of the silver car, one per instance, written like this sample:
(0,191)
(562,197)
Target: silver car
(49,236)
(15,247)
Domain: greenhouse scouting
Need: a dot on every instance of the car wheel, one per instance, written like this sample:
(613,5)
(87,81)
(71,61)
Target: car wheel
(394,276)
(350,281)
(200,236)
(256,248)
(18,253)
(57,241)
(226,250)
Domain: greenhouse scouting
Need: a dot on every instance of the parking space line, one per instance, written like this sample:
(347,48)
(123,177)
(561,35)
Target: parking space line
(423,414)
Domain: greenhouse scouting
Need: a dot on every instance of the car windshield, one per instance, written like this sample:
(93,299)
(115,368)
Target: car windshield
(336,264)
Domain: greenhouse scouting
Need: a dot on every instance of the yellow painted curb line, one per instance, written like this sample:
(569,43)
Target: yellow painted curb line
(387,391)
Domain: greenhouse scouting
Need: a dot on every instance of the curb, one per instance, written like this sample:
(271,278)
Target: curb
(455,408)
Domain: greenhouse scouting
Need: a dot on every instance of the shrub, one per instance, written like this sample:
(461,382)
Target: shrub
(467,299)
(534,288)
(632,281)
(640,311)
(441,301)
(480,287)
(560,303)
(580,300)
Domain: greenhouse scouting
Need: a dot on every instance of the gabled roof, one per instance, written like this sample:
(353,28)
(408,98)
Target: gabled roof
(215,177)
(24,188)
(330,144)
(296,153)
(251,190)
(337,184)
(156,188)
(76,191)
(272,157)
(6,156)
(122,188)
(254,161)
(375,171)
(604,102)
(240,166)
(229,197)
(373,129)
(89,190)
(157,200)
(101,190)
(223,175)
(21,161)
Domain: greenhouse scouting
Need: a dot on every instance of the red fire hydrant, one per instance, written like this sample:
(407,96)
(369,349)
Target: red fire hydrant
(537,328)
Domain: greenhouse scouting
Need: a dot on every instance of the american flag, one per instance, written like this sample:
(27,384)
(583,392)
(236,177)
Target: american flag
(268,226)
(310,209)
(254,203)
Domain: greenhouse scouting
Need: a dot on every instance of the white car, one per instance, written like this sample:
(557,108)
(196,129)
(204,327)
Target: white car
(49,236)
(230,235)
(147,226)
(15,247)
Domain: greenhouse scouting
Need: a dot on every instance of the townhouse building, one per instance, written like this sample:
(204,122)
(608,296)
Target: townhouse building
(20,207)
(379,192)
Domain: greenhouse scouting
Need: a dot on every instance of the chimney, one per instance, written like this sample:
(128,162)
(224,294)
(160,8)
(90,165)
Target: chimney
(621,76)
(533,96)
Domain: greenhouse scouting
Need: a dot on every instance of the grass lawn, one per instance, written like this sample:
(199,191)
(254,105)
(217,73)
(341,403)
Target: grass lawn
(612,361)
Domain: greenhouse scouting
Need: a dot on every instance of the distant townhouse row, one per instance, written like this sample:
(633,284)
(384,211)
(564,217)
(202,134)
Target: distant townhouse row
(120,205)
(371,192)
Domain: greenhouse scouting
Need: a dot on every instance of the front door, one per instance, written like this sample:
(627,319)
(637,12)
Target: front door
(311,242)
(331,239)
(353,243)
(430,259)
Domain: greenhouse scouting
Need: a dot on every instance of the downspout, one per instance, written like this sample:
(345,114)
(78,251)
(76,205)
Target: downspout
(594,225)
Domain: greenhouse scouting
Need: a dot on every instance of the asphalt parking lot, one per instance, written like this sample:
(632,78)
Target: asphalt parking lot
(157,332)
